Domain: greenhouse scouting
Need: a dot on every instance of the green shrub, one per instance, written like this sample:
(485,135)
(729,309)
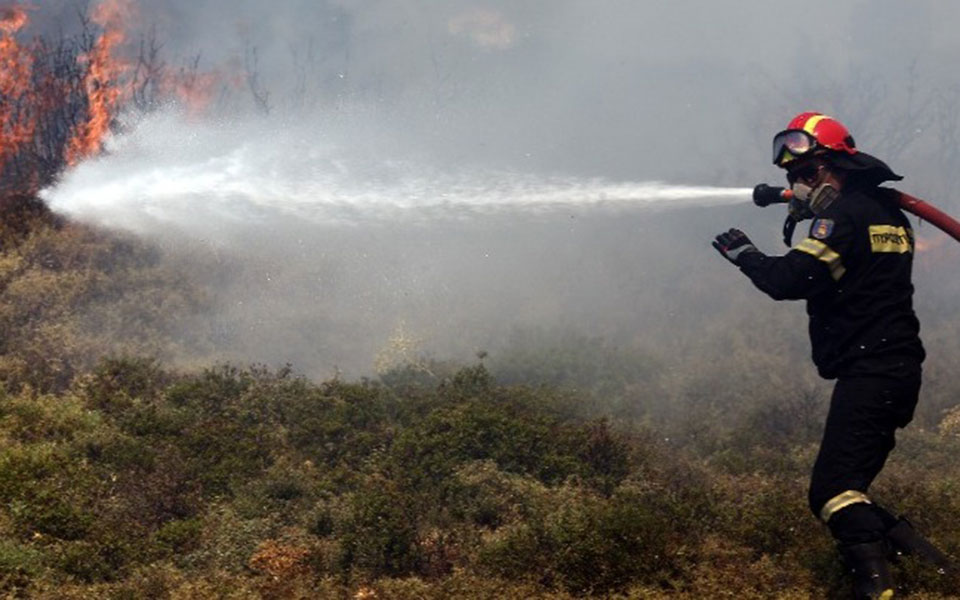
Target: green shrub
(117,451)
(338,424)
(180,536)
(154,420)
(490,498)
(70,295)
(28,417)
(90,562)
(514,428)
(213,392)
(116,383)
(379,535)
(452,486)
(589,543)
(19,564)
(51,514)
(23,467)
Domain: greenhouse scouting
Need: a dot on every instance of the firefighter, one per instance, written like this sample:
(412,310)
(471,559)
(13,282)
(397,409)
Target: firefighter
(853,270)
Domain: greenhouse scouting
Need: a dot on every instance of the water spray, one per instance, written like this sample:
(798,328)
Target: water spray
(230,175)
(765,195)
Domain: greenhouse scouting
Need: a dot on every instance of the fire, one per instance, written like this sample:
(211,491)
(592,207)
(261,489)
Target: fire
(195,90)
(17,122)
(929,241)
(59,100)
(12,19)
(934,250)
(103,81)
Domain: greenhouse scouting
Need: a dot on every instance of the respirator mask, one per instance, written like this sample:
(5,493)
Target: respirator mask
(813,200)
(811,195)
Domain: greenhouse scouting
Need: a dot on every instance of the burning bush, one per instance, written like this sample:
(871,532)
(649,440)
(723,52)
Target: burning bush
(59,99)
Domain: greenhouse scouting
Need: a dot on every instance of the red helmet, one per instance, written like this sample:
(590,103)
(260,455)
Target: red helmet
(809,132)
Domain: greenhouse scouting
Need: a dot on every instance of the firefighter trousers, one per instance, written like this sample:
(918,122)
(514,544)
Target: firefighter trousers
(865,412)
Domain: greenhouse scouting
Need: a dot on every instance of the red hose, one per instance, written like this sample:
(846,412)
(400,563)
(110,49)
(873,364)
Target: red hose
(765,195)
(931,213)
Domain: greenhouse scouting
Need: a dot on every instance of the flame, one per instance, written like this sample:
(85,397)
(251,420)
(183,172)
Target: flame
(929,241)
(55,114)
(13,19)
(17,123)
(196,90)
(934,250)
(104,79)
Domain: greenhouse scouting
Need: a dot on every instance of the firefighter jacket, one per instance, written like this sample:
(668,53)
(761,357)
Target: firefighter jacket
(853,269)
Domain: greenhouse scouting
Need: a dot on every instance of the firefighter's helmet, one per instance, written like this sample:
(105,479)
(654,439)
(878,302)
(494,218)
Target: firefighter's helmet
(808,133)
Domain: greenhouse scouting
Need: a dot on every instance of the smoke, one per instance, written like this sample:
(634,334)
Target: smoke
(337,248)
(449,171)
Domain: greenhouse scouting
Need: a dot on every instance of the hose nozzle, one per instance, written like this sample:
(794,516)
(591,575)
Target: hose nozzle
(765,195)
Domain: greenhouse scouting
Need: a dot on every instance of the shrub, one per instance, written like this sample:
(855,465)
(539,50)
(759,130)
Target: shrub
(180,536)
(588,543)
(19,564)
(379,535)
(517,437)
(29,417)
(70,295)
(22,468)
(490,498)
(90,562)
(116,383)
(51,513)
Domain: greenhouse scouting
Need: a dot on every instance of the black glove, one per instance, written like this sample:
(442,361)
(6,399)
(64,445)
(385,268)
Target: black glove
(733,244)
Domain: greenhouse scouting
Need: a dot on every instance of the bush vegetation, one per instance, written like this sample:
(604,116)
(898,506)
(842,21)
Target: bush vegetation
(70,294)
(561,467)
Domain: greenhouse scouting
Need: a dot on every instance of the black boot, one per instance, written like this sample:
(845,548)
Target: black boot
(871,571)
(907,541)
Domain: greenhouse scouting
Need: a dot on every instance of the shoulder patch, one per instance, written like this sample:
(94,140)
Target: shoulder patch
(891,238)
(821,228)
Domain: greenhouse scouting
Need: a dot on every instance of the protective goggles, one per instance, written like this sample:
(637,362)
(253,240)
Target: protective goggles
(791,144)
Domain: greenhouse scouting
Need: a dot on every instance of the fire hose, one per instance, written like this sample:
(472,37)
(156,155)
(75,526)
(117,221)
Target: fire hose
(765,195)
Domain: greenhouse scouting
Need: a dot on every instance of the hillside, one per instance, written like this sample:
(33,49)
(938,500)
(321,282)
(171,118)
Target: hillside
(560,467)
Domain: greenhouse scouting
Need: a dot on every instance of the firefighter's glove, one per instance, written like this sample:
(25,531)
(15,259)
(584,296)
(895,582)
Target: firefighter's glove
(733,244)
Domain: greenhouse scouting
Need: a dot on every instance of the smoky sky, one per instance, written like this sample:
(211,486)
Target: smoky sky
(629,89)
(680,91)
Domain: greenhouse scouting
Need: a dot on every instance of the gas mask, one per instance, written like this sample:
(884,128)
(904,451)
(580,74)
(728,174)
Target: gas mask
(806,203)
(811,200)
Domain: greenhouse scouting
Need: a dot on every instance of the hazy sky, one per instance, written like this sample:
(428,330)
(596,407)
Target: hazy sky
(680,91)
(630,89)
(621,88)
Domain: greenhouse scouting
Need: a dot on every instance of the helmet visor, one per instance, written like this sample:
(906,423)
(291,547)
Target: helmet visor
(791,144)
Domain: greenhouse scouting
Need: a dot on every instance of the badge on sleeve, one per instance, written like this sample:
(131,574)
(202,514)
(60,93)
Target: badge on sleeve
(821,228)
